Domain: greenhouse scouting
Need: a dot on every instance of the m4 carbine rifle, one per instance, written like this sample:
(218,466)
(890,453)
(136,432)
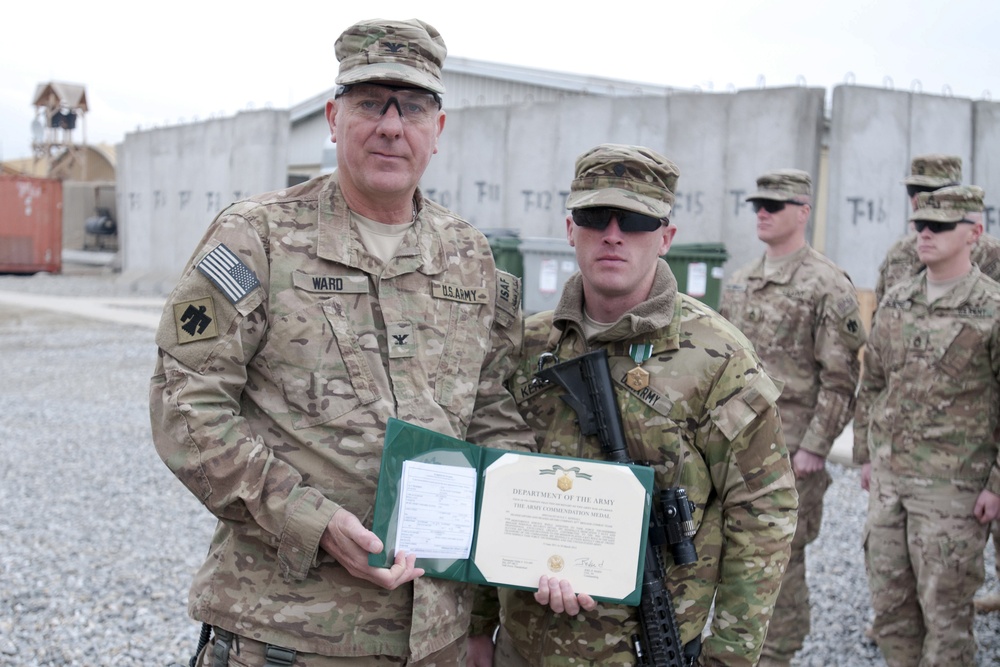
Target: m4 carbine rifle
(590,392)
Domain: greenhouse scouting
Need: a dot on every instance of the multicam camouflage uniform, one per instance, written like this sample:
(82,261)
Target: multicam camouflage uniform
(271,407)
(707,422)
(804,323)
(926,420)
(902,262)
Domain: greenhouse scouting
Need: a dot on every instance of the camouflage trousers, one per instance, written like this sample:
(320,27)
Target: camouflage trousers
(790,621)
(924,556)
(505,655)
(246,652)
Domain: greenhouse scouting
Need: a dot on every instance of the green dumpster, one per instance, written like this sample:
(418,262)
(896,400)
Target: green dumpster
(548,263)
(506,247)
(698,269)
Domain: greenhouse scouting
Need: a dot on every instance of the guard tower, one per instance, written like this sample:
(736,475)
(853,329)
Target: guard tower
(60,108)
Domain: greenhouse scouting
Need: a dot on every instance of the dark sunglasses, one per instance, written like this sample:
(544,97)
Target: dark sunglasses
(628,221)
(772,206)
(938,227)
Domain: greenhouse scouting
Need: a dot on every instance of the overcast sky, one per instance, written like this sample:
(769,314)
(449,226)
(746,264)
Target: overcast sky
(151,65)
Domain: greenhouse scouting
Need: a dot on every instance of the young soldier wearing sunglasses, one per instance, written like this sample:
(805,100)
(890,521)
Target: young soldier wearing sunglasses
(695,404)
(801,313)
(927,174)
(925,433)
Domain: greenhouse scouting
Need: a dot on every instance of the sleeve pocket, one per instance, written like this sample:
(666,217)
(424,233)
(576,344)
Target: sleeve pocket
(753,400)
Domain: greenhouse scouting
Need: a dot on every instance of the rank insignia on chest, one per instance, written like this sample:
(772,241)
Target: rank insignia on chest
(402,343)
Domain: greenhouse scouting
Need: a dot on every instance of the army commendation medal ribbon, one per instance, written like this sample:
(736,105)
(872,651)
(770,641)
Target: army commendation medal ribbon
(638,377)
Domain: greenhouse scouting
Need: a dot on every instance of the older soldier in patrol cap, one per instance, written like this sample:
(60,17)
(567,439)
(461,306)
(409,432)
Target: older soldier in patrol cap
(801,313)
(926,435)
(306,318)
(695,404)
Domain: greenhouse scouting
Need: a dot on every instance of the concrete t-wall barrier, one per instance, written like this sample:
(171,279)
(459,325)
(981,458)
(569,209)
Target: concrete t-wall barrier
(986,159)
(173,181)
(767,129)
(511,167)
(873,135)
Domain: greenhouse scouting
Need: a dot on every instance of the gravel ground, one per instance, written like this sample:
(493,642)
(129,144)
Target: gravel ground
(98,541)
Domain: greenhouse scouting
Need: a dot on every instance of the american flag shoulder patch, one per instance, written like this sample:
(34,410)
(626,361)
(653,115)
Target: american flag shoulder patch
(228,273)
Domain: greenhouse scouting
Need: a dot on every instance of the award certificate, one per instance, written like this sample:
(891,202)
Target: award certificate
(581,521)
(502,518)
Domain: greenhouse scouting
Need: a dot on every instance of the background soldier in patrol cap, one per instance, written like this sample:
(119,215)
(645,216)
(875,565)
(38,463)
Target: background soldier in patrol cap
(929,173)
(695,403)
(926,435)
(801,313)
(328,308)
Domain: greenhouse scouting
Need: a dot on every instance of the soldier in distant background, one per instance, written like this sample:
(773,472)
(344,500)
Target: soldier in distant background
(925,433)
(928,173)
(801,313)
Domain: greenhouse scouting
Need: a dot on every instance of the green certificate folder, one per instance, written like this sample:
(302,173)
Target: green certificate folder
(500,518)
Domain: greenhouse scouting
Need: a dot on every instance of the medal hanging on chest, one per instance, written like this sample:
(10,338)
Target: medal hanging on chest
(638,378)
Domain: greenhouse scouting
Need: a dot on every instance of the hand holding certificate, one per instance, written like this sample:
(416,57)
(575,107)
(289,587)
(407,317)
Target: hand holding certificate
(506,518)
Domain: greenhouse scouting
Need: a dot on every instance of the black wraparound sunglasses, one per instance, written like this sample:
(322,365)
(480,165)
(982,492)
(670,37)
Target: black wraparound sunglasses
(628,221)
(938,227)
(772,206)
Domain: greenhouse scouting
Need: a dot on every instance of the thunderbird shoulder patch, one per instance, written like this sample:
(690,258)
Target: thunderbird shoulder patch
(195,320)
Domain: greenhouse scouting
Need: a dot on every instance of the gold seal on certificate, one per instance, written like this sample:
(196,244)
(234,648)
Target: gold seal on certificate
(556,563)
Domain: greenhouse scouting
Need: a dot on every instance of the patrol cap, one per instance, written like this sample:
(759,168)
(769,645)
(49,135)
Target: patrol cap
(632,178)
(408,51)
(949,204)
(934,170)
(783,185)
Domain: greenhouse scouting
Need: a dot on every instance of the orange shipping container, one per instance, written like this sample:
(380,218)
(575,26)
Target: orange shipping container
(30,224)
